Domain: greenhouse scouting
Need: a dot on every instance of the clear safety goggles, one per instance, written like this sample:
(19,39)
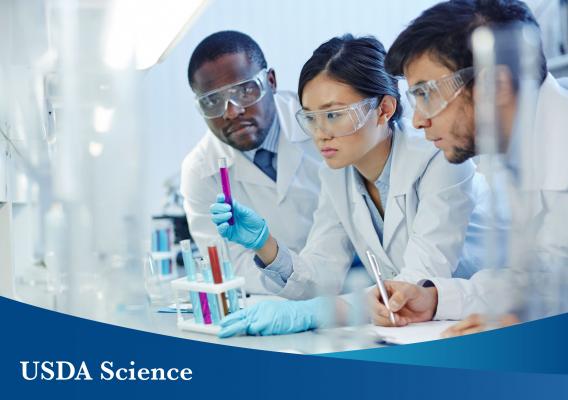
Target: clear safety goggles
(243,94)
(432,97)
(341,122)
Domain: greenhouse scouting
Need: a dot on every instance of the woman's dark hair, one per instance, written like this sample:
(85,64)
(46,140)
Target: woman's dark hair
(357,62)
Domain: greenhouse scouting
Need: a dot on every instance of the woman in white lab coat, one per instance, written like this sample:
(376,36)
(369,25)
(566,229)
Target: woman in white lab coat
(385,188)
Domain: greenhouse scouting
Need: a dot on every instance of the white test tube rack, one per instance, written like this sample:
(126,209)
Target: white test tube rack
(182,287)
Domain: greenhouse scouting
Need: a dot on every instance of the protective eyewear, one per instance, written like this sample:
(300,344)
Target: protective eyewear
(432,97)
(341,122)
(242,94)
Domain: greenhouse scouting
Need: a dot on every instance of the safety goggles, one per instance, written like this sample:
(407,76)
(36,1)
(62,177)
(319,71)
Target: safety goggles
(341,122)
(432,97)
(242,94)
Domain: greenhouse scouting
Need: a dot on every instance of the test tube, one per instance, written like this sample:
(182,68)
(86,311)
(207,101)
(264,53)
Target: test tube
(211,297)
(190,271)
(226,185)
(229,274)
(163,246)
(217,276)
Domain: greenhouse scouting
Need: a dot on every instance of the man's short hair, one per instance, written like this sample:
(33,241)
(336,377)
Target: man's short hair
(221,43)
(444,31)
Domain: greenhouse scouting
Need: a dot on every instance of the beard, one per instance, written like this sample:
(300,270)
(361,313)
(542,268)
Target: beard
(464,134)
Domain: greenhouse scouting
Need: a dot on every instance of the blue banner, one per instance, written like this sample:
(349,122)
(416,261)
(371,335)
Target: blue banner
(523,362)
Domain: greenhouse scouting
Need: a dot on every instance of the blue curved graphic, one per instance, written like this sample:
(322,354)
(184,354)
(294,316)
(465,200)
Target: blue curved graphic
(538,346)
(30,333)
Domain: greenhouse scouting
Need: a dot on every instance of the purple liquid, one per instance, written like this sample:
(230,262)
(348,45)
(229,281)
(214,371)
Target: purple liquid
(227,189)
(205,308)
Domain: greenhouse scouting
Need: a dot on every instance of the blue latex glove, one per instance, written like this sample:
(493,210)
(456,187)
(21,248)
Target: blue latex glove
(250,230)
(279,317)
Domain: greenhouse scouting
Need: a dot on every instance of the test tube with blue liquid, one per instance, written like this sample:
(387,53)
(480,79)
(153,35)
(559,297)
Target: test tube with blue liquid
(162,243)
(191,274)
(228,274)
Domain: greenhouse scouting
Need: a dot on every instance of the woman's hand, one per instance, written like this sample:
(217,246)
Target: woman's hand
(279,317)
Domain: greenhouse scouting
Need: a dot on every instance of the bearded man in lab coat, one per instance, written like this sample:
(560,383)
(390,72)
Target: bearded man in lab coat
(273,166)
(434,47)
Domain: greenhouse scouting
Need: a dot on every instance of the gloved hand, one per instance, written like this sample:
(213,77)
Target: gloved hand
(273,317)
(249,230)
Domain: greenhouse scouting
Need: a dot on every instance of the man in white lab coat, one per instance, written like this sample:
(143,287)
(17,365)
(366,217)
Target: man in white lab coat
(434,48)
(273,166)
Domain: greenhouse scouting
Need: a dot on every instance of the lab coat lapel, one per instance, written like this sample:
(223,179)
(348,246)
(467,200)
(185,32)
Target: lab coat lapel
(363,223)
(289,160)
(394,216)
(246,171)
(398,181)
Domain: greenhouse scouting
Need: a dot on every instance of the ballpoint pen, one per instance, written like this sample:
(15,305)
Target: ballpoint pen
(380,284)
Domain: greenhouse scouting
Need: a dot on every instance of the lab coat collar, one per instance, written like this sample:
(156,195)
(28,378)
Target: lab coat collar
(409,162)
(362,219)
(411,155)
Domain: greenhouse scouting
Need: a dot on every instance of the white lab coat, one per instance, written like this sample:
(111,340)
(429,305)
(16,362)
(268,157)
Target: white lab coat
(287,205)
(499,291)
(428,209)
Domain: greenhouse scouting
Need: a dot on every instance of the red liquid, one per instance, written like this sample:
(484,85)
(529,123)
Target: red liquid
(217,277)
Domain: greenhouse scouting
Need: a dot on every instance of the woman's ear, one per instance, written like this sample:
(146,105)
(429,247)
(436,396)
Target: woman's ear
(386,109)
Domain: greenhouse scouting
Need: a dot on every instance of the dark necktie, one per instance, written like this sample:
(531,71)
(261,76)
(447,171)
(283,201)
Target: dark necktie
(263,160)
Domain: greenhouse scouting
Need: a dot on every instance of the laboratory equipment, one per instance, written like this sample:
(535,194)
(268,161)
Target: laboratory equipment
(163,251)
(228,274)
(512,89)
(210,297)
(217,275)
(226,185)
(191,276)
(339,122)
(243,94)
(215,305)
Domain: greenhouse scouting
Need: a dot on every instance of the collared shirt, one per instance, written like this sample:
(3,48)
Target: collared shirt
(281,268)
(270,143)
(383,185)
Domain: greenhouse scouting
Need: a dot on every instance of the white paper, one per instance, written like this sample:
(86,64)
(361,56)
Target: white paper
(413,333)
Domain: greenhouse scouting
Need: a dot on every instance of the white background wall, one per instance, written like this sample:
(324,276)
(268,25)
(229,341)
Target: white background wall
(287,31)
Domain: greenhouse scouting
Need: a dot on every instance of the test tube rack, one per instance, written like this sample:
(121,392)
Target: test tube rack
(182,287)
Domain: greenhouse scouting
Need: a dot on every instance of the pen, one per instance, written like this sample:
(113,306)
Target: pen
(380,284)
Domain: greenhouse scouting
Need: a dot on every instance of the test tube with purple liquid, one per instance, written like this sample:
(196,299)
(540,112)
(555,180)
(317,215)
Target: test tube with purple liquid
(226,185)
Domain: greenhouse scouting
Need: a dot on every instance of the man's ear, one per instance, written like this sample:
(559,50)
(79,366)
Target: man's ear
(271,76)
(386,109)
